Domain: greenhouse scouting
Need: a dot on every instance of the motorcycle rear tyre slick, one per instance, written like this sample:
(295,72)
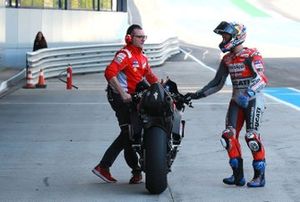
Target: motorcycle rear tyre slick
(156,160)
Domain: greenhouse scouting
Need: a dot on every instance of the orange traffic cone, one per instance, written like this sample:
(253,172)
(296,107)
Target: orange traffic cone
(29,80)
(41,83)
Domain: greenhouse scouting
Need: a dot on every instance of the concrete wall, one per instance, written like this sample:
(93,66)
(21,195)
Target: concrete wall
(18,28)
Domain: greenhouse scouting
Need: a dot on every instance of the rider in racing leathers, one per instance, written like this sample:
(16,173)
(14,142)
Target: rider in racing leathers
(246,69)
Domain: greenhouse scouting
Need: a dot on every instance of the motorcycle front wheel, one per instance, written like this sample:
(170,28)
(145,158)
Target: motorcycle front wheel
(156,160)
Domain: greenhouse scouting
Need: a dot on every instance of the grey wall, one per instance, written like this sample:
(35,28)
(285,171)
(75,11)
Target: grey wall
(18,28)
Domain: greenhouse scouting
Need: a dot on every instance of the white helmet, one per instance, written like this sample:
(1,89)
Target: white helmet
(235,30)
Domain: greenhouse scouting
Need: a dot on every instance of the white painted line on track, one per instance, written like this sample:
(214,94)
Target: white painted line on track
(282,102)
(294,89)
(188,54)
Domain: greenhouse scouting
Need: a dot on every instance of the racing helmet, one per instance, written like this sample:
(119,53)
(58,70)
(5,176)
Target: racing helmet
(235,30)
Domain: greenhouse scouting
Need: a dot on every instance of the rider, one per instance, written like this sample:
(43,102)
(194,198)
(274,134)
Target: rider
(246,69)
(126,70)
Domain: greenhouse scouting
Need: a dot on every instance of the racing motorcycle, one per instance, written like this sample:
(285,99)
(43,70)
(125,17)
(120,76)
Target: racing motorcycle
(157,131)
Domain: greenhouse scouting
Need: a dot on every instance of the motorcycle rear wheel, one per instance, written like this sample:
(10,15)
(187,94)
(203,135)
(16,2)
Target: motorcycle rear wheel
(156,160)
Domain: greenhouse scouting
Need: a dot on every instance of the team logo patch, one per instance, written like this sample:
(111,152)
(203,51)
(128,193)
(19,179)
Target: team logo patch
(135,64)
(120,57)
(258,64)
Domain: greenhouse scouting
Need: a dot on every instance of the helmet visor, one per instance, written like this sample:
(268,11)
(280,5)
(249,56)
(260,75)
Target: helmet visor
(225,27)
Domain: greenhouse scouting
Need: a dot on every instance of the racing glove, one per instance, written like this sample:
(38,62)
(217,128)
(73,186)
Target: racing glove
(193,96)
(243,99)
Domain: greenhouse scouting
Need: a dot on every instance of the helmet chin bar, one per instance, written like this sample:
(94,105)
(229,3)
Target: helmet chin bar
(228,47)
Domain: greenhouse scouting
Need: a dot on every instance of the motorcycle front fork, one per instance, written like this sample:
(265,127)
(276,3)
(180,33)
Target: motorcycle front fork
(173,147)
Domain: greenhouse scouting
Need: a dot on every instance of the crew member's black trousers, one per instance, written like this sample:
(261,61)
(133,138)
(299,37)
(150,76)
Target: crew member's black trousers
(123,141)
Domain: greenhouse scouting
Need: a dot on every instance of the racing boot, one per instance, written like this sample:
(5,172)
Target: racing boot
(259,174)
(238,173)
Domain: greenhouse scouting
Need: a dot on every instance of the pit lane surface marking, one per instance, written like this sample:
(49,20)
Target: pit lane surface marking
(287,96)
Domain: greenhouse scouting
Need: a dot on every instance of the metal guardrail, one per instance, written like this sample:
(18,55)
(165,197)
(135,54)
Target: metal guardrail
(11,82)
(92,58)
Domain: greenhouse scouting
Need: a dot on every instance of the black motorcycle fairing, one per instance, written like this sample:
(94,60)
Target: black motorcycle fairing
(156,102)
(142,85)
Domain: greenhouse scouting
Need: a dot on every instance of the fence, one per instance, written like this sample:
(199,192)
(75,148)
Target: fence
(92,58)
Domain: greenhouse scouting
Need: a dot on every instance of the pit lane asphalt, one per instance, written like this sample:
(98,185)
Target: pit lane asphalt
(51,139)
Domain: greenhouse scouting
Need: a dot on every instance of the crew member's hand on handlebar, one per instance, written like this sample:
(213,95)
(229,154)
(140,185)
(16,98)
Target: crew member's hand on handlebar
(126,97)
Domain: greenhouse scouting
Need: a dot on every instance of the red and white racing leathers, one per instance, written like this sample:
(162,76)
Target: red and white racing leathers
(246,70)
(130,66)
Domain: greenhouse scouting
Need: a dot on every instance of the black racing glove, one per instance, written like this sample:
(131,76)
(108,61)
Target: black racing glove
(193,96)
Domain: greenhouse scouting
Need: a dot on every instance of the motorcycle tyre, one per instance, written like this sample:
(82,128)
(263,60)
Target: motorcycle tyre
(156,160)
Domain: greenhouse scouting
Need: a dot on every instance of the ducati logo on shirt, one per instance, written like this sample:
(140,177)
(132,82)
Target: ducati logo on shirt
(241,83)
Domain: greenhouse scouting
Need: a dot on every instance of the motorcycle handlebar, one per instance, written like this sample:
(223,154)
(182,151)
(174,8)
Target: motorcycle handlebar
(180,98)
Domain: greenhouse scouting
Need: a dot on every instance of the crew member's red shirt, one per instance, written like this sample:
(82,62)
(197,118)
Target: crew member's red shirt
(130,66)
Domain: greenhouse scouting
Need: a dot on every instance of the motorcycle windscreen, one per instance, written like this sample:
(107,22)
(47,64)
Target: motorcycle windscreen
(171,86)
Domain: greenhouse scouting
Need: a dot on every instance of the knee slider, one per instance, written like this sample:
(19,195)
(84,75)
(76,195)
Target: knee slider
(253,140)
(227,134)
